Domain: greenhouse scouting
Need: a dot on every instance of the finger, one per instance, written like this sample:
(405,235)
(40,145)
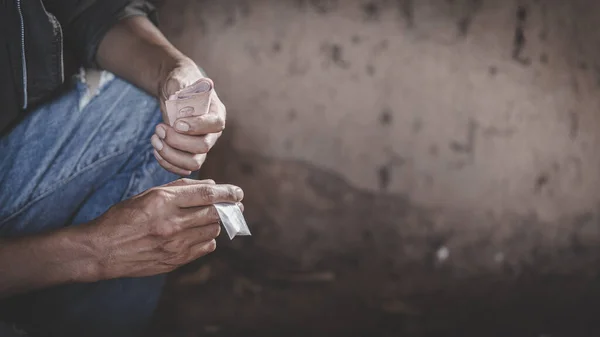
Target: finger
(188,181)
(192,144)
(180,257)
(199,216)
(211,122)
(200,125)
(204,194)
(195,235)
(200,106)
(202,249)
(170,167)
(172,85)
(180,159)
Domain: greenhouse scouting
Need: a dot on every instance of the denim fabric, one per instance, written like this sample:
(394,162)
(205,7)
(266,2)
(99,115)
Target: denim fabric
(64,165)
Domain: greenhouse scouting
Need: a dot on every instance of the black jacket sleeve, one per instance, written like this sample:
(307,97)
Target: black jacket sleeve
(85,22)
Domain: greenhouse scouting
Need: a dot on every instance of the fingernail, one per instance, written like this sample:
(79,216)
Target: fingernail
(161,132)
(182,126)
(239,193)
(156,143)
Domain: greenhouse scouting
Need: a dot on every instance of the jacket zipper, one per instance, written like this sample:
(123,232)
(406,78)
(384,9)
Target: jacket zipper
(60,52)
(61,66)
(23,60)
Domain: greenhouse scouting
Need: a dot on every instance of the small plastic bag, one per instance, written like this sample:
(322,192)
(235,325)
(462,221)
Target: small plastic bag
(233,220)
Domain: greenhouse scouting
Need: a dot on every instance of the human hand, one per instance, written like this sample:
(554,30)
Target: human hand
(159,230)
(182,148)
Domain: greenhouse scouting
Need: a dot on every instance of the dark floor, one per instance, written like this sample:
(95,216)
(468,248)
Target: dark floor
(226,295)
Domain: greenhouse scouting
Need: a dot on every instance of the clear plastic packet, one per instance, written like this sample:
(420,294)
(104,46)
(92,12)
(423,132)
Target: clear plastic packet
(233,220)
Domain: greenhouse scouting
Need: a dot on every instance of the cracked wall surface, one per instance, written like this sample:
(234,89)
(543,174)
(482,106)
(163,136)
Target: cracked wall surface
(412,147)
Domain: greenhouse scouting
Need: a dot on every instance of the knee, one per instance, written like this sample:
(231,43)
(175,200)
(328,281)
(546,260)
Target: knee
(129,110)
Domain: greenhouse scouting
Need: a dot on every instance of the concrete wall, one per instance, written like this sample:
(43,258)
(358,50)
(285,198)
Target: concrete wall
(409,147)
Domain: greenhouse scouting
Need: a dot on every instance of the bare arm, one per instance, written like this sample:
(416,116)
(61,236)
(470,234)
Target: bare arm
(137,51)
(45,260)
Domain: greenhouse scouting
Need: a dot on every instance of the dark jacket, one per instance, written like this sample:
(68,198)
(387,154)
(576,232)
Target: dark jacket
(36,39)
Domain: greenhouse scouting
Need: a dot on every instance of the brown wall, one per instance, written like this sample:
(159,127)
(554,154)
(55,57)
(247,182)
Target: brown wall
(409,148)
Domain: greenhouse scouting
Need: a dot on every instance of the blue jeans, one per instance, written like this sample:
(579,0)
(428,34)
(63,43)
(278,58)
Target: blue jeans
(66,164)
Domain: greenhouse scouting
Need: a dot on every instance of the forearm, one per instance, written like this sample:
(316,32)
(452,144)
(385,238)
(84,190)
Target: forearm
(41,261)
(137,51)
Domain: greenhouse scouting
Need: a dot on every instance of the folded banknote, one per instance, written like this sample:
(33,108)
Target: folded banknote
(192,100)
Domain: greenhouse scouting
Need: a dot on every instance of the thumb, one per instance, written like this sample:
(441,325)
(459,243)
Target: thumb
(171,86)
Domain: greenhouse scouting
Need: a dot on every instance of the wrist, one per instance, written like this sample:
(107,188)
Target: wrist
(41,261)
(82,258)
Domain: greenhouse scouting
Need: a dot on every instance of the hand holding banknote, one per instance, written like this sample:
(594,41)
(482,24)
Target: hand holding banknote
(193,116)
